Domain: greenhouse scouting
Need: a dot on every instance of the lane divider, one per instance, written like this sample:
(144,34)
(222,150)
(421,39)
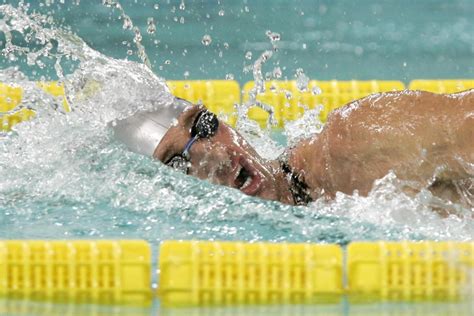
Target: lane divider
(285,99)
(228,273)
(410,271)
(81,271)
(11,97)
(200,273)
(442,86)
(289,101)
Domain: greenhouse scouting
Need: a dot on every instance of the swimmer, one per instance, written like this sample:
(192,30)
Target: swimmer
(424,138)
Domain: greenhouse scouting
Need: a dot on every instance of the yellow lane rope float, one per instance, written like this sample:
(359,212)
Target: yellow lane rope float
(442,86)
(76,271)
(289,101)
(200,273)
(228,273)
(11,97)
(286,100)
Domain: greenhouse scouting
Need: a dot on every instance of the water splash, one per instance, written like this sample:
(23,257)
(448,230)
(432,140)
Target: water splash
(302,80)
(305,127)
(128,25)
(248,128)
(388,205)
(64,175)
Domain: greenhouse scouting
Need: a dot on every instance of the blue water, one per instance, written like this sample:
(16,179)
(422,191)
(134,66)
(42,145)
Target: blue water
(346,39)
(65,176)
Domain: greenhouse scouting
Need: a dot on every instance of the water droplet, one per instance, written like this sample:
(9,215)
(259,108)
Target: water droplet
(229,76)
(206,40)
(288,95)
(316,90)
(138,37)
(226,45)
(186,74)
(129,52)
(248,55)
(182,6)
(156,6)
(404,64)
(274,37)
(277,72)
(301,80)
(247,69)
(127,23)
(246,9)
(167,62)
(108,3)
(151,29)
(266,55)
(40,64)
(221,13)
(181,20)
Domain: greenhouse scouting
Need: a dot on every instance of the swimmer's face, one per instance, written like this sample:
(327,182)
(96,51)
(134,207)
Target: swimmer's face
(224,158)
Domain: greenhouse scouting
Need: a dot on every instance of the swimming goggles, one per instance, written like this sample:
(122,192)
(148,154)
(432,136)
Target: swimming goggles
(205,126)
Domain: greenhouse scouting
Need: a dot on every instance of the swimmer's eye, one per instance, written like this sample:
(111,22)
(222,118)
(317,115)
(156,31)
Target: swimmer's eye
(179,163)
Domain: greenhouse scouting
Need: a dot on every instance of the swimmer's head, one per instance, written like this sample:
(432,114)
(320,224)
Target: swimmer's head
(143,131)
(202,146)
(192,140)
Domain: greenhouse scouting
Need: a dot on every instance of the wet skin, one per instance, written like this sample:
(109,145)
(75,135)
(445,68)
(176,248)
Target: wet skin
(225,159)
(425,138)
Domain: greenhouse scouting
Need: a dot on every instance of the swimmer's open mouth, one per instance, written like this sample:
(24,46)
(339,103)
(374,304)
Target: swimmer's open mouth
(247,179)
(243,179)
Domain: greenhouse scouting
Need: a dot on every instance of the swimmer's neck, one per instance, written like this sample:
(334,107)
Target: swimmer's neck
(296,190)
(309,166)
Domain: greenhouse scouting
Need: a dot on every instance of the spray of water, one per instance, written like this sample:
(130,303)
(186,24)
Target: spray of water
(128,25)
(64,175)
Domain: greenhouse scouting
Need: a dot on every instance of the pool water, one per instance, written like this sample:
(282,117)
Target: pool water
(401,40)
(23,308)
(64,176)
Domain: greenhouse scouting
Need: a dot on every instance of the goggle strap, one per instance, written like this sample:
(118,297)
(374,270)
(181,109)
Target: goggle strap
(188,146)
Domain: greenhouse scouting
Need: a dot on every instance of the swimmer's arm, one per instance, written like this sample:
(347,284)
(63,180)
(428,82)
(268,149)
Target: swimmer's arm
(408,132)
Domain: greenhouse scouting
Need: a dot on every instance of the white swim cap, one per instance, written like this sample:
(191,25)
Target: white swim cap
(143,131)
